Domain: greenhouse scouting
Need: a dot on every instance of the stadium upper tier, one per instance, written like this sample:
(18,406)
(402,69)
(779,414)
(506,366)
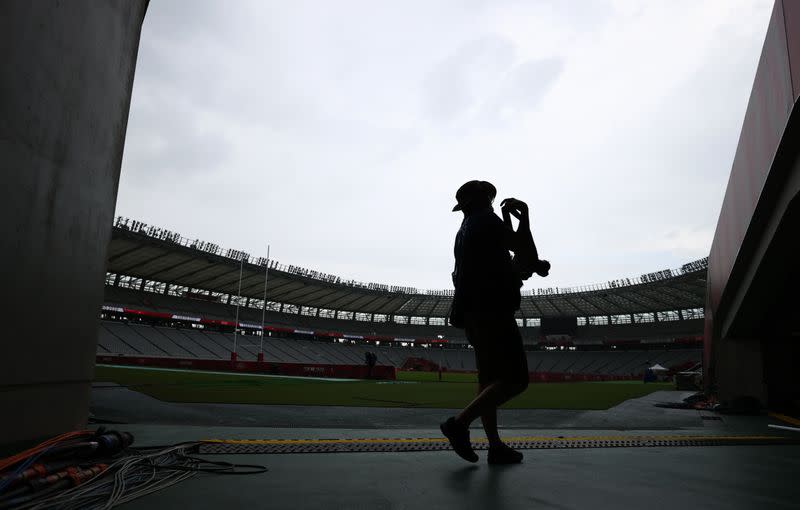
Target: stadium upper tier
(143,257)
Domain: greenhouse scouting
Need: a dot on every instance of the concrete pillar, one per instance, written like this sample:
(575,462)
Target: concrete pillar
(740,366)
(64,97)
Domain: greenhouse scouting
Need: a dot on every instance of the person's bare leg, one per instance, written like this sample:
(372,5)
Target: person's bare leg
(488,400)
(489,420)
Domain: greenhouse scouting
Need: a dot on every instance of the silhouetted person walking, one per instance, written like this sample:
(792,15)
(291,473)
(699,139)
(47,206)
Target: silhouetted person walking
(487,282)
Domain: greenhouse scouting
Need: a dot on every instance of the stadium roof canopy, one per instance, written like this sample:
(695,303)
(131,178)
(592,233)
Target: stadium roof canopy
(151,254)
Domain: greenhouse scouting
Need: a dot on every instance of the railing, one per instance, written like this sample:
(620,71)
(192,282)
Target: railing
(237,255)
(689,267)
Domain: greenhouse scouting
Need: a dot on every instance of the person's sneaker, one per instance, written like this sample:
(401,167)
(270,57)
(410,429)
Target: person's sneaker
(504,455)
(458,435)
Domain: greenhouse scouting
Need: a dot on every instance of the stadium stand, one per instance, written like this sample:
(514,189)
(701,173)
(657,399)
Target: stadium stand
(133,339)
(168,296)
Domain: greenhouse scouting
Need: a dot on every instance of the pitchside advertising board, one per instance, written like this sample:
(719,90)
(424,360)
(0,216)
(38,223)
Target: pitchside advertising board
(132,312)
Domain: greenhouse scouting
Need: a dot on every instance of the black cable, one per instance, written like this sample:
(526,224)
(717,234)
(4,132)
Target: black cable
(164,446)
(25,498)
(223,468)
(113,449)
(15,492)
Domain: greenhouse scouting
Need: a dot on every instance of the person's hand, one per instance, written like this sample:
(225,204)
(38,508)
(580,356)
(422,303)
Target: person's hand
(506,217)
(543,269)
(516,208)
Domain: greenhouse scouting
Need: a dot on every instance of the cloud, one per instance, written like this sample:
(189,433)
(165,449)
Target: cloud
(483,83)
(462,79)
(172,140)
(523,89)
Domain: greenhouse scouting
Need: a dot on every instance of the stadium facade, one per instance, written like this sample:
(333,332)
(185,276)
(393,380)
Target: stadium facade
(155,260)
(174,297)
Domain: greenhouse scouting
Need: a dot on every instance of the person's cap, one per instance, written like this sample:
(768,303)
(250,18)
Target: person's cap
(472,190)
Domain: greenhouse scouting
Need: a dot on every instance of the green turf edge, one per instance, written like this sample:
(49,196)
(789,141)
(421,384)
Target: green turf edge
(413,389)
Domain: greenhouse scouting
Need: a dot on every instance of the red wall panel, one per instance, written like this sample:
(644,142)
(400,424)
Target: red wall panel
(768,109)
(791,18)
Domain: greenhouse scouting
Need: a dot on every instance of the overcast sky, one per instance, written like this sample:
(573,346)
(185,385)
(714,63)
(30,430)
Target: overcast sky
(339,131)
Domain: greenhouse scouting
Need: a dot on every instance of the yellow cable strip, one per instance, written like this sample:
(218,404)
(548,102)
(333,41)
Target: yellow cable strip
(483,440)
(786,419)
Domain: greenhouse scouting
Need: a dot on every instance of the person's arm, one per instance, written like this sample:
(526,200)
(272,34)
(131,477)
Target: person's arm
(512,240)
(522,238)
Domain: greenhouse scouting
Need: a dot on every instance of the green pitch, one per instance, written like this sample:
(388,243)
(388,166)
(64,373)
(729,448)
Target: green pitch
(412,389)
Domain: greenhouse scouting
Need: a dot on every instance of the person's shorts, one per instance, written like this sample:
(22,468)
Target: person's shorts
(498,350)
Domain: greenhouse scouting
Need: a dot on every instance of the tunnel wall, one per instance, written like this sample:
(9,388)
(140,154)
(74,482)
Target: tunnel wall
(745,262)
(65,93)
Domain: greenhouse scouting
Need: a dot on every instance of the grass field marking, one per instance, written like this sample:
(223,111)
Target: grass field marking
(483,440)
(236,374)
(267,389)
(786,419)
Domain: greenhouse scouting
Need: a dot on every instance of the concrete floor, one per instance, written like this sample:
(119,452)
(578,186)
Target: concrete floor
(725,477)
(748,477)
(121,405)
